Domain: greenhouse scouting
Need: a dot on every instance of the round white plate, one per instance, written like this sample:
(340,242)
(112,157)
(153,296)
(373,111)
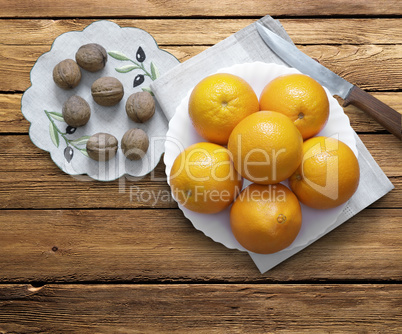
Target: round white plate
(134,57)
(182,134)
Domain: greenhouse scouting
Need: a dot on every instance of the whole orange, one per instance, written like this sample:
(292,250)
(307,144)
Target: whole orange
(218,103)
(266,147)
(328,175)
(299,97)
(265,218)
(203,178)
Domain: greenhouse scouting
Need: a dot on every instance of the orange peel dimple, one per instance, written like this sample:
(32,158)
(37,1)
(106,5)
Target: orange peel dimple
(281,219)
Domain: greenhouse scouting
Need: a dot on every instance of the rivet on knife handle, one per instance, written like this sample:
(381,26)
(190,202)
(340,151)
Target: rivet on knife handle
(389,118)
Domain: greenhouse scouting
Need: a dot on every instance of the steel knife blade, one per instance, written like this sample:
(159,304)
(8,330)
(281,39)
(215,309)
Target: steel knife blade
(291,55)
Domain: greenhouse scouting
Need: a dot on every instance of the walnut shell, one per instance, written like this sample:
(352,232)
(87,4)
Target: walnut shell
(102,146)
(67,74)
(76,111)
(140,107)
(134,144)
(107,91)
(91,57)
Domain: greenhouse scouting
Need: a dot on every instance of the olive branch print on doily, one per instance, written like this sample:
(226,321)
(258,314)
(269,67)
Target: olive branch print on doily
(140,56)
(56,133)
(80,143)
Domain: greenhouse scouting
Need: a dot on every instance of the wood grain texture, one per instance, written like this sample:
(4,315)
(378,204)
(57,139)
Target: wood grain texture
(52,189)
(30,179)
(12,120)
(162,274)
(211,308)
(378,46)
(162,246)
(211,31)
(201,8)
(371,67)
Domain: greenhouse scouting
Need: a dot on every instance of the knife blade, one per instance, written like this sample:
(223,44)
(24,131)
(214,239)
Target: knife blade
(389,118)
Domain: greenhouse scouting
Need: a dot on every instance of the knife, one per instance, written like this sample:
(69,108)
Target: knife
(389,118)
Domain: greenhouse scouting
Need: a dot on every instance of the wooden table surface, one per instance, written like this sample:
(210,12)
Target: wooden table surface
(85,257)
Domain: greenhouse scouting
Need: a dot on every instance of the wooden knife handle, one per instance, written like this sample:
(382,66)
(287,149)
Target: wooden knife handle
(389,118)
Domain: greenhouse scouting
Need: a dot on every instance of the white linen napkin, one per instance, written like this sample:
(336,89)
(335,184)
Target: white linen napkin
(243,47)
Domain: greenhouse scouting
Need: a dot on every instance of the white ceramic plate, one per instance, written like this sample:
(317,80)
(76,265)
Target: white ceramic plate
(137,58)
(182,134)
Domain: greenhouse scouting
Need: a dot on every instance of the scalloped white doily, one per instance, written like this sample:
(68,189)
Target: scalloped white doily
(45,95)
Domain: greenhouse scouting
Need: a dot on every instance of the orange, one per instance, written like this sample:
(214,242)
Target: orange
(266,147)
(299,97)
(217,103)
(203,178)
(266,218)
(329,173)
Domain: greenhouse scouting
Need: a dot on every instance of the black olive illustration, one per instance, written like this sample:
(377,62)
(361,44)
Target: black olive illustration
(68,153)
(140,55)
(70,129)
(138,80)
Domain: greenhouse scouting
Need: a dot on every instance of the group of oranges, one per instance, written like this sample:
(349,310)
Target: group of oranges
(266,140)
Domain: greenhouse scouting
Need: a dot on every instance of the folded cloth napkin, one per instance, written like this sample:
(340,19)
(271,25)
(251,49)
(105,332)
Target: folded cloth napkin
(243,47)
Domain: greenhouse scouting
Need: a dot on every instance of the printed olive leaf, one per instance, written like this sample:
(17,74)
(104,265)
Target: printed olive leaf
(126,69)
(118,55)
(80,141)
(154,71)
(57,116)
(84,151)
(147,89)
(54,135)
(140,55)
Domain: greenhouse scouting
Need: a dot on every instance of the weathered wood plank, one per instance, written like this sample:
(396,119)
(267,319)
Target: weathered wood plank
(162,245)
(211,31)
(373,67)
(203,8)
(343,31)
(30,179)
(20,155)
(54,189)
(211,308)
(378,145)
(12,120)
(368,66)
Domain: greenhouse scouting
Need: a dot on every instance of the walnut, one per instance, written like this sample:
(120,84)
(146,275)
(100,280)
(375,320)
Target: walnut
(91,57)
(107,91)
(102,146)
(134,144)
(140,107)
(67,74)
(76,111)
